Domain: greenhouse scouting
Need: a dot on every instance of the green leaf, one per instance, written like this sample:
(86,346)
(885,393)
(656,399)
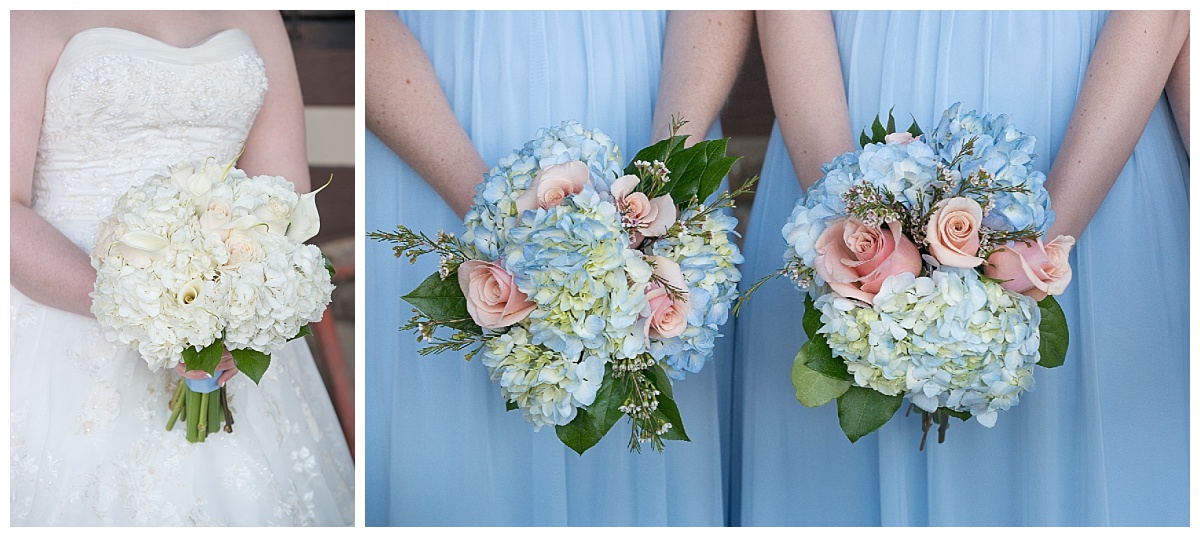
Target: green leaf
(914,129)
(329,265)
(878,133)
(205,359)
(305,330)
(891,126)
(659,377)
(819,357)
(814,389)
(251,362)
(655,152)
(592,423)
(1053,349)
(698,170)
(863,139)
(956,413)
(863,410)
(667,409)
(510,405)
(812,317)
(443,300)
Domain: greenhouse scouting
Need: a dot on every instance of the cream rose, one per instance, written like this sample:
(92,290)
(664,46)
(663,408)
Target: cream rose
(643,216)
(953,232)
(667,310)
(552,185)
(110,229)
(275,214)
(1035,270)
(493,300)
(243,247)
(198,183)
(217,217)
(855,259)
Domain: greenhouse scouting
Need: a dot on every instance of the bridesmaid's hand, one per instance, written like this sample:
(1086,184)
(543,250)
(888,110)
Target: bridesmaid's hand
(227,367)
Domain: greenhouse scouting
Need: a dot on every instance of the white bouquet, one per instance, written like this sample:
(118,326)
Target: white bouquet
(202,260)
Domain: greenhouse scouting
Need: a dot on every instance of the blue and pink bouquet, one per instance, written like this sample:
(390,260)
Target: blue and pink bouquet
(927,276)
(585,286)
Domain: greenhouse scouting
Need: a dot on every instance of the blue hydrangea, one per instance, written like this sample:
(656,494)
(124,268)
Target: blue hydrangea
(1007,154)
(708,262)
(572,261)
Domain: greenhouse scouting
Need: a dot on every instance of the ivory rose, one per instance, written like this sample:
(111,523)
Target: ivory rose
(646,217)
(243,247)
(855,259)
(953,232)
(552,185)
(493,300)
(1035,270)
(902,137)
(667,315)
(217,217)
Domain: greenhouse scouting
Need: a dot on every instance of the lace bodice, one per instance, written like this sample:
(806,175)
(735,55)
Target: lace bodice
(121,106)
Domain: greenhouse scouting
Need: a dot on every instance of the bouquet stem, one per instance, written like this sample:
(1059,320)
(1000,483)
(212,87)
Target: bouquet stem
(203,413)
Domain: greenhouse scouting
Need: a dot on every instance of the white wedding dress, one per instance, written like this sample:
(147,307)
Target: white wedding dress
(88,442)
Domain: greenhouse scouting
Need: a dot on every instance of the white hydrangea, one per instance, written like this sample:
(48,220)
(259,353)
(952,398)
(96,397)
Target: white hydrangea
(547,387)
(201,254)
(947,340)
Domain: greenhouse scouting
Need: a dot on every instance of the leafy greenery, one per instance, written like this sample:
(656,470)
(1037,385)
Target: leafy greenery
(251,362)
(812,317)
(1053,349)
(879,132)
(592,423)
(863,410)
(442,301)
(205,359)
(812,388)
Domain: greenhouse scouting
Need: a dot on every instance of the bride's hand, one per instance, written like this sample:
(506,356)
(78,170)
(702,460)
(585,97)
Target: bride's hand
(227,367)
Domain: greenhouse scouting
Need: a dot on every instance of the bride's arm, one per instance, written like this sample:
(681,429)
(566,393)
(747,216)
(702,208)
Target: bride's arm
(804,75)
(407,110)
(702,54)
(45,265)
(1125,77)
(276,144)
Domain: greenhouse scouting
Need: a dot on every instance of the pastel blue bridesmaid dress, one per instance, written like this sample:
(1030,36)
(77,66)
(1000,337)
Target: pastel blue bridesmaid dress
(1102,440)
(440,449)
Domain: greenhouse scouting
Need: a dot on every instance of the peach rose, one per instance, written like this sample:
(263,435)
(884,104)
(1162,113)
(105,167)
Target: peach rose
(953,232)
(645,217)
(492,299)
(902,137)
(667,315)
(855,259)
(552,185)
(1035,270)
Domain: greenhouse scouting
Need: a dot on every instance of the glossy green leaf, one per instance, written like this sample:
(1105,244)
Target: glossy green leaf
(812,317)
(863,410)
(205,359)
(592,423)
(251,362)
(668,410)
(1053,348)
(814,389)
(443,300)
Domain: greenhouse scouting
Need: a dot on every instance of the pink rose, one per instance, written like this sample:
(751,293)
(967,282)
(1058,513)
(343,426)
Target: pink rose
(667,310)
(1034,270)
(492,299)
(855,259)
(552,185)
(953,232)
(643,216)
(903,138)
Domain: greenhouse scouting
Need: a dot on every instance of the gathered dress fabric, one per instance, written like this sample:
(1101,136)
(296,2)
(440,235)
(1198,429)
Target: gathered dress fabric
(440,448)
(88,441)
(1101,440)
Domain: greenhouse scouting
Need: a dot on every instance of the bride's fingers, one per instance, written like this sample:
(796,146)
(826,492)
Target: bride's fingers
(228,374)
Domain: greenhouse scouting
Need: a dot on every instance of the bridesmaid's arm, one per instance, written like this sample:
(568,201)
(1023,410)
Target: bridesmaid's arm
(702,54)
(805,78)
(1125,77)
(276,144)
(407,110)
(1178,91)
(45,265)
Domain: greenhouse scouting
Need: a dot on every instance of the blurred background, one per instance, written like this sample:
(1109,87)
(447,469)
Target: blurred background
(323,44)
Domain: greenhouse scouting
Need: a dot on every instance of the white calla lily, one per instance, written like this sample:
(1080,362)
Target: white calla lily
(306,222)
(140,248)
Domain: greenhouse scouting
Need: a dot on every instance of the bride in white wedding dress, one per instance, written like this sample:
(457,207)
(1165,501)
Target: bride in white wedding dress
(100,101)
